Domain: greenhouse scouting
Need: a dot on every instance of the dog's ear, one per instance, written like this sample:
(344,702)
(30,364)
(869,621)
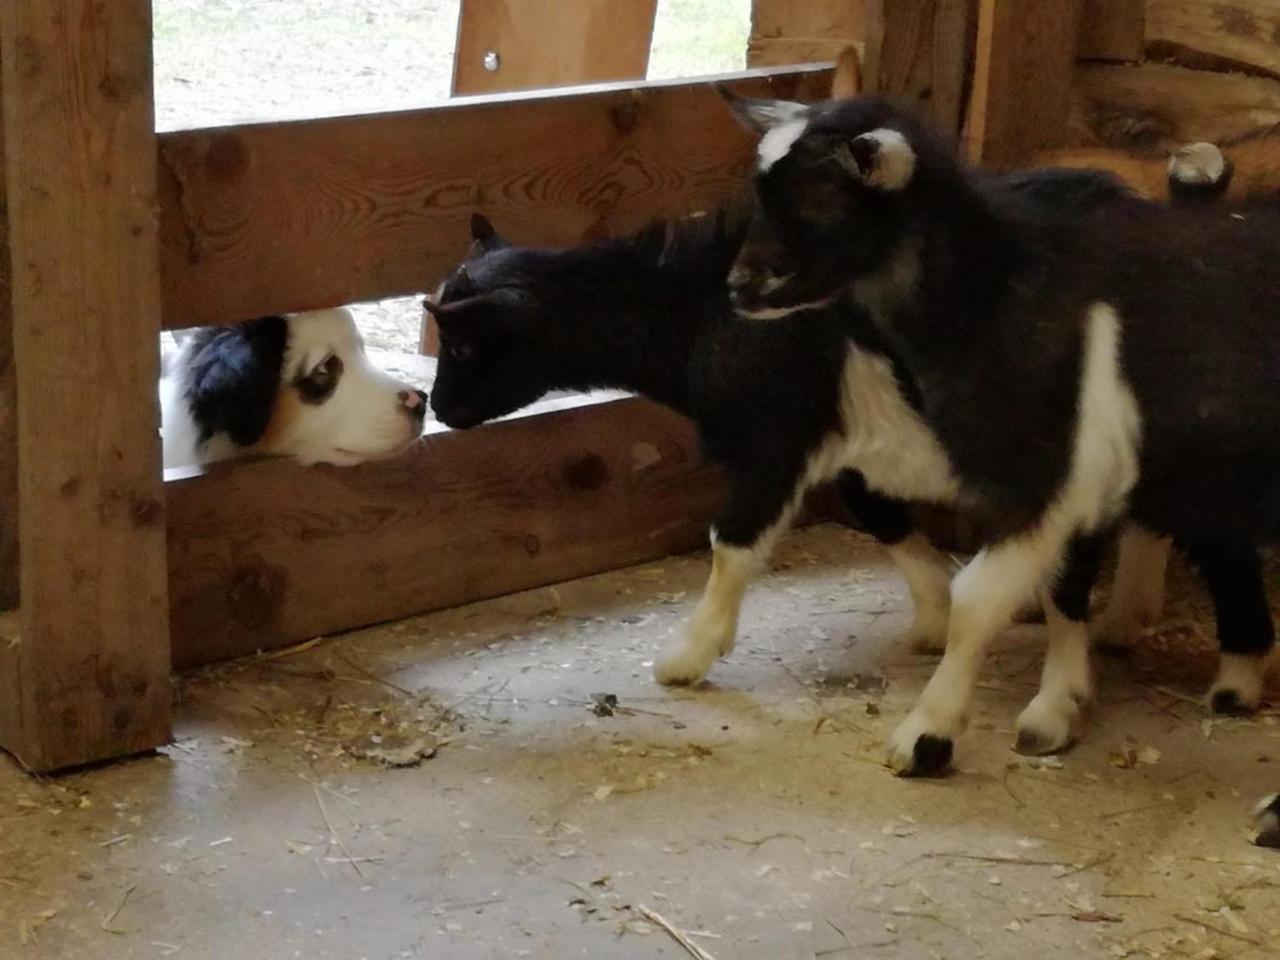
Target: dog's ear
(484,238)
(233,378)
(882,159)
(761,116)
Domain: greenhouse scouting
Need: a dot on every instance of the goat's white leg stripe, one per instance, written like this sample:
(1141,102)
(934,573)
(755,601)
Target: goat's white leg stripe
(687,657)
(1050,721)
(927,571)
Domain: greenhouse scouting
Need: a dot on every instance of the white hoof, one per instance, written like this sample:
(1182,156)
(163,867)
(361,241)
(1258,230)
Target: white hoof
(1238,687)
(688,658)
(1050,722)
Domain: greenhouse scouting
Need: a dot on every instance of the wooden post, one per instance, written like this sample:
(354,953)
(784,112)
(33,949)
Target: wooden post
(804,31)
(1023,75)
(8,415)
(87,676)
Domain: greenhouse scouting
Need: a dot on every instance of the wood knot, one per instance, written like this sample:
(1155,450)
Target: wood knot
(587,473)
(625,116)
(70,487)
(145,512)
(254,594)
(532,545)
(227,158)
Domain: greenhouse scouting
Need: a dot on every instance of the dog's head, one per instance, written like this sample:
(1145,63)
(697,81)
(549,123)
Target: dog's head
(298,386)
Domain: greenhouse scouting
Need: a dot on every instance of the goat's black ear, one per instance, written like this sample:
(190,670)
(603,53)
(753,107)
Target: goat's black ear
(761,116)
(882,159)
(233,378)
(484,238)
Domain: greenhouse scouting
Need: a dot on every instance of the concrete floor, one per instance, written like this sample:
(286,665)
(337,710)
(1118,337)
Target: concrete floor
(752,813)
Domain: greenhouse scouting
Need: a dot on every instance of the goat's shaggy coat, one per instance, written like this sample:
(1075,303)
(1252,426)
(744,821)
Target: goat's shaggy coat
(1075,370)
(783,407)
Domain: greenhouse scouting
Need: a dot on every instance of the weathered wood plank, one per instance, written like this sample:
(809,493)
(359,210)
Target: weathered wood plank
(921,50)
(1226,35)
(1156,108)
(8,412)
(1023,74)
(803,31)
(270,553)
(290,216)
(88,678)
(547,43)
(1112,29)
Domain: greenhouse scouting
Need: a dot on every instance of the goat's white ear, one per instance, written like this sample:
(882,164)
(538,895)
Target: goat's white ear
(760,115)
(882,159)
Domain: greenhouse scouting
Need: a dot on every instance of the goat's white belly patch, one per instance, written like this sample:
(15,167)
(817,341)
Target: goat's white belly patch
(884,437)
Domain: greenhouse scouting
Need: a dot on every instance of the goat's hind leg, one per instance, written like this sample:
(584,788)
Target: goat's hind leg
(759,511)
(926,569)
(1232,571)
(1052,719)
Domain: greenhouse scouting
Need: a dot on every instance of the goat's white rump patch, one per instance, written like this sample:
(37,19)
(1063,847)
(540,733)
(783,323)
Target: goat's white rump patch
(779,140)
(1197,163)
(891,164)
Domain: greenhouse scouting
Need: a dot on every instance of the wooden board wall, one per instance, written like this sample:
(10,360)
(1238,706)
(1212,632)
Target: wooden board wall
(1224,35)
(290,216)
(548,43)
(270,553)
(8,410)
(803,31)
(1112,29)
(1024,71)
(88,677)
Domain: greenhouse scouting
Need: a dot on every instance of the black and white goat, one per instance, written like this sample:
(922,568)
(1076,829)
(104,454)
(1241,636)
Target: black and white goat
(651,314)
(299,386)
(1072,371)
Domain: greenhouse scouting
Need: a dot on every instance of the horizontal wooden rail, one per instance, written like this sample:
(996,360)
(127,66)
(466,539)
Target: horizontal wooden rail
(264,218)
(269,553)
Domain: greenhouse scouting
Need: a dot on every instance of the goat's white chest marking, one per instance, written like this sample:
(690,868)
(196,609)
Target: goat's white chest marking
(884,438)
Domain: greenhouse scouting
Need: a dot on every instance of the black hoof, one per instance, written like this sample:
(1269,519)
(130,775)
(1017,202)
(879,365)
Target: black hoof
(1227,703)
(1267,823)
(931,756)
(1034,743)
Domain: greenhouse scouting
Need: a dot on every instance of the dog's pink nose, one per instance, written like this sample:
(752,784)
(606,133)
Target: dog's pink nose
(411,399)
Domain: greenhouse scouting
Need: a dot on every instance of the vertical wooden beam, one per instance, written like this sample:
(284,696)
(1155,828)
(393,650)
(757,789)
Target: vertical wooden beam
(8,413)
(545,43)
(87,678)
(549,43)
(921,50)
(1023,74)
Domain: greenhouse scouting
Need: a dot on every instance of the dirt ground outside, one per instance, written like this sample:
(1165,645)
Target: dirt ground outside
(236,61)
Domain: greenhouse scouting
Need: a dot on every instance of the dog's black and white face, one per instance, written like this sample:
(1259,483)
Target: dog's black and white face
(833,183)
(298,386)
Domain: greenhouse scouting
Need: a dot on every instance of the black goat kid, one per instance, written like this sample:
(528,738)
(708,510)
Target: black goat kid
(1073,370)
(780,405)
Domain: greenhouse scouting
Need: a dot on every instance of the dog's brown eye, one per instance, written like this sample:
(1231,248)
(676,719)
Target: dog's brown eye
(318,385)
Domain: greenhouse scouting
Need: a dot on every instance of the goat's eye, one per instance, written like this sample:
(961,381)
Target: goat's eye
(321,380)
(461,351)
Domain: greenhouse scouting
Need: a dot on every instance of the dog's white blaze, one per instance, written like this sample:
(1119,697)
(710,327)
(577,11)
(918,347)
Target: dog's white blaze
(895,160)
(778,141)
(989,590)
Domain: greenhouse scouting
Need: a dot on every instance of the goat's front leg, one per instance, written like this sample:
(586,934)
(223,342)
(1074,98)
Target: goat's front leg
(1232,570)
(1052,719)
(760,510)
(923,566)
(985,595)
